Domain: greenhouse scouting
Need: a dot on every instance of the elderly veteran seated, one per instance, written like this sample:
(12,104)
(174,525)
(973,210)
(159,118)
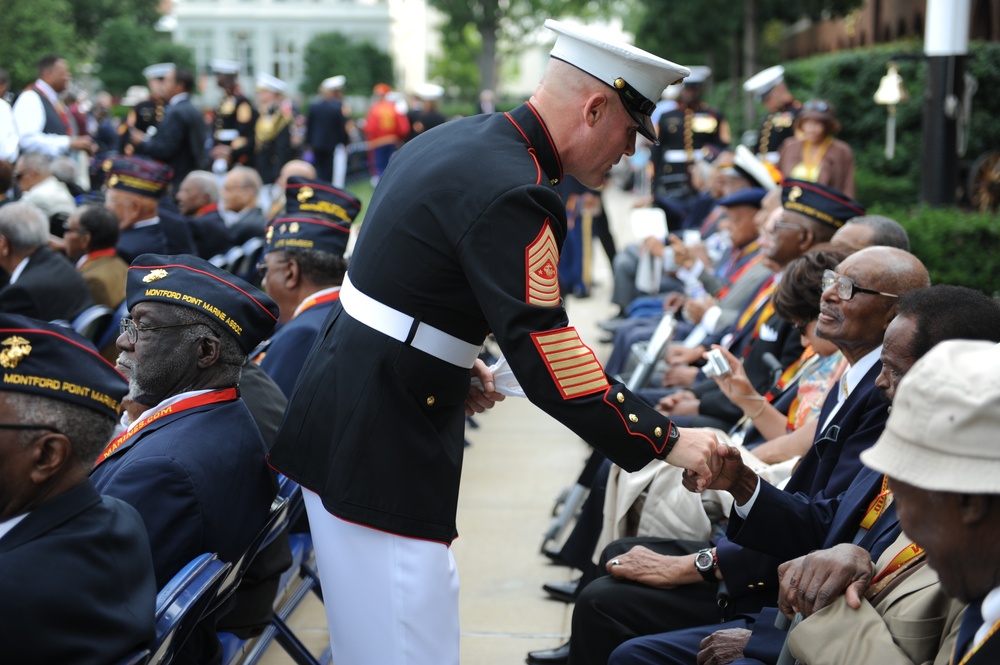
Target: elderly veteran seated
(302,269)
(134,188)
(191,458)
(77,583)
(940,455)
(43,284)
(91,235)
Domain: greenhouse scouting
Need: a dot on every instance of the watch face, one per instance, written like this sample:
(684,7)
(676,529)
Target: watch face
(703,561)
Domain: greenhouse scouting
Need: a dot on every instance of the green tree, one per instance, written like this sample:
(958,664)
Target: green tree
(458,66)
(331,53)
(124,49)
(30,29)
(91,16)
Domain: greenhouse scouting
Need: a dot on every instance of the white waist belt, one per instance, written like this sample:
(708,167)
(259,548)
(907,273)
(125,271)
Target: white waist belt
(675,156)
(398,326)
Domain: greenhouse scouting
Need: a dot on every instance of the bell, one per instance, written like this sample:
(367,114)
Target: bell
(890,90)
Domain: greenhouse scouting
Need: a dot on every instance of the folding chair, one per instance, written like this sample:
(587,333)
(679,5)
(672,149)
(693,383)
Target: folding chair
(246,267)
(110,332)
(569,502)
(183,602)
(93,321)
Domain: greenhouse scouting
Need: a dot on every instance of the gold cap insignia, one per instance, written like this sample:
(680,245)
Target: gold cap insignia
(269,235)
(795,194)
(283,229)
(304,194)
(154,275)
(113,180)
(619,83)
(108,163)
(293,227)
(17,348)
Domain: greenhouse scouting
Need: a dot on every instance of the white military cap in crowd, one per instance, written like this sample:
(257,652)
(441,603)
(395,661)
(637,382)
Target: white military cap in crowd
(134,95)
(429,91)
(333,83)
(158,71)
(699,74)
(272,83)
(763,82)
(638,77)
(942,431)
(748,166)
(225,66)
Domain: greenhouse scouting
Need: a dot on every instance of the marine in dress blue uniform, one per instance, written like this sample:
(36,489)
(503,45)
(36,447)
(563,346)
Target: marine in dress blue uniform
(768,88)
(454,246)
(77,583)
(303,269)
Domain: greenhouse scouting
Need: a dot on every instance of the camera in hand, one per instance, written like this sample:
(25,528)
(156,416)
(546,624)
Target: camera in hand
(716,364)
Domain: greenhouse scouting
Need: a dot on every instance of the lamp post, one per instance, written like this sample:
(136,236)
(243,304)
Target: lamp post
(946,45)
(890,94)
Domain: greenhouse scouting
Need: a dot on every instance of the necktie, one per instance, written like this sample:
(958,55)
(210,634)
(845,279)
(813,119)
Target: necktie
(971,622)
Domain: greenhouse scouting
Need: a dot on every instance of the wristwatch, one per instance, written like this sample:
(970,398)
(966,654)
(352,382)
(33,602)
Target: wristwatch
(705,562)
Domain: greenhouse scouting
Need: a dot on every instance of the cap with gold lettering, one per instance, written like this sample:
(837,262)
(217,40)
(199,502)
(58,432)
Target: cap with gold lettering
(318,217)
(52,361)
(243,311)
(824,204)
(145,177)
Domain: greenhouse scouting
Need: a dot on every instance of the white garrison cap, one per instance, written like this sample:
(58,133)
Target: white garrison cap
(225,66)
(748,166)
(429,91)
(272,83)
(158,71)
(333,83)
(942,431)
(763,82)
(638,77)
(699,74)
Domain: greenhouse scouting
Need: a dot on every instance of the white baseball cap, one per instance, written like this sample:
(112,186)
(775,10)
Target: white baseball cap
(638,77)
(942,431)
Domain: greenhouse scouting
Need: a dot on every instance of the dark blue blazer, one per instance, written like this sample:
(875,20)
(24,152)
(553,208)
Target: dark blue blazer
(198,479)
(325,125)
(48,288)
(287,350)
(210,234)
(170,235)
(179,140)
(77,583)
(824,472)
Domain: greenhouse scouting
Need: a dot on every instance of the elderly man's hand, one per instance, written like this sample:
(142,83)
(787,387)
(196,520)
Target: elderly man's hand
(723,646)
(679,377)
(813,581)
(682,355)
(695,308)
(653,246)
(661,571)
(699,453)
(730,474)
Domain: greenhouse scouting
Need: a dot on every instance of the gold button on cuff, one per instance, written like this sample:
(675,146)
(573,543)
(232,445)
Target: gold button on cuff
(431,400)
(620,397)
(634,418)
(658,432)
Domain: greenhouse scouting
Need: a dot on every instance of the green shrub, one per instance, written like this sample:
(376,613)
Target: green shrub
(957,246)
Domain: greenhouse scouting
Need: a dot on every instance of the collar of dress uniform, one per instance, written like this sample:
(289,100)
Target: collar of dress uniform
(531,126)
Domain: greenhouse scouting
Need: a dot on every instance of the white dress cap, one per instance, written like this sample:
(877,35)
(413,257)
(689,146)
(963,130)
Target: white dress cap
(751,168)
(158,71)
(225,67)
(429,91)
(699,74)
(763,82)
(638,77)
(333,83)
(272,83)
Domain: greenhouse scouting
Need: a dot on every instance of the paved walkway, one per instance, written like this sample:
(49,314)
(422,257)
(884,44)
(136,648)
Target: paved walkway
(519,461)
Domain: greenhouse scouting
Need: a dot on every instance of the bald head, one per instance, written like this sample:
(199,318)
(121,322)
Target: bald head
(899,271)
(296,167)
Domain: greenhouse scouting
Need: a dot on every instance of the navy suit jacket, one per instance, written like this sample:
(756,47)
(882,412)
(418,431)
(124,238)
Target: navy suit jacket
(824,472)
(179,140)
(198,479)
(325,125)
(287,350)
(48,288)
(77,583)
(211,236)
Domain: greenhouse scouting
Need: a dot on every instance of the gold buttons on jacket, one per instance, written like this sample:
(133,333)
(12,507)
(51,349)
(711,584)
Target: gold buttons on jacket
(634,418)
(431,400)
(620,397)
(658,432)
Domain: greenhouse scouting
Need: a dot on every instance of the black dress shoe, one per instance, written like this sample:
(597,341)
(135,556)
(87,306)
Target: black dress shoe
(555,558)
(563,591)
(549,656)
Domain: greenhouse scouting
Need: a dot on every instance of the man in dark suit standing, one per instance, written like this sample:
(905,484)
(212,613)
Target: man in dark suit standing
(326,131)
(43,284)
(180,138)
(78,582)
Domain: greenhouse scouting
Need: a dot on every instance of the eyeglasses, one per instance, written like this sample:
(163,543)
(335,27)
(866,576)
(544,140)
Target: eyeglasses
(18,174)
(801,326)
(787,225)
(846,288)
(816,105)
(262,267)
(29,426)
(73,229)
(128,327)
